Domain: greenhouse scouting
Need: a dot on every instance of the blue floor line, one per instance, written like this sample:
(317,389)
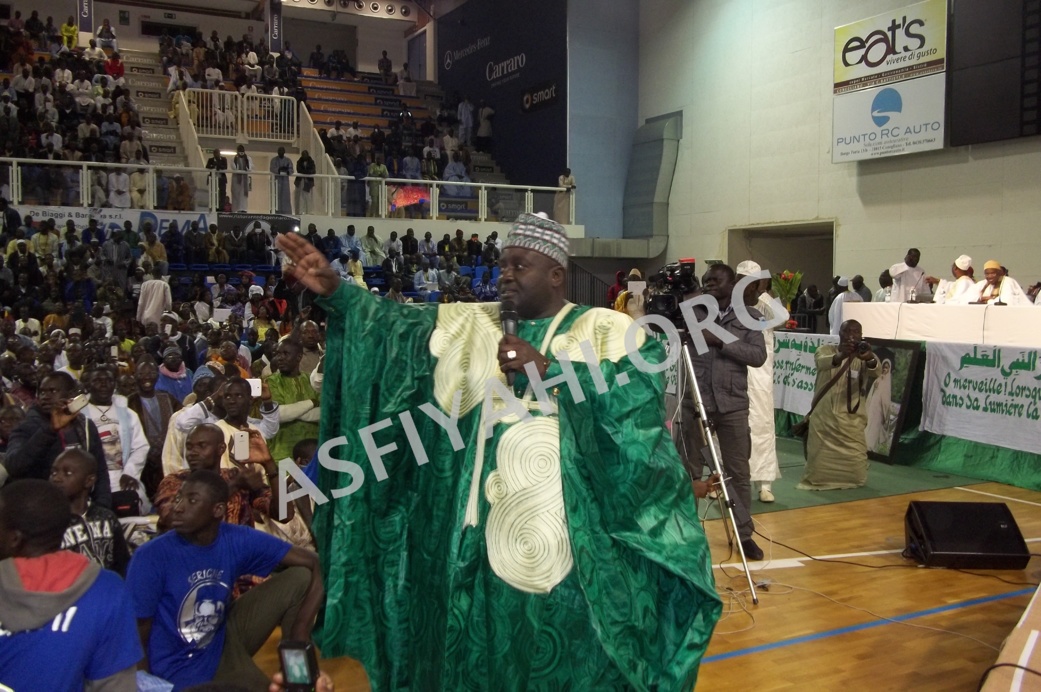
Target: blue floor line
(863,626)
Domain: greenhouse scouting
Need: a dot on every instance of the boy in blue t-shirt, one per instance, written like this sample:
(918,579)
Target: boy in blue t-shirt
(64,621)
(181,587)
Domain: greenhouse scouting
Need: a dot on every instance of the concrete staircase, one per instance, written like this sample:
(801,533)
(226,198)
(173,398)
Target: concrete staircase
(147,84)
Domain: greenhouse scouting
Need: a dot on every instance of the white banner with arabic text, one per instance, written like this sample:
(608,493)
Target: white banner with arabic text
(795,369)
(988,394)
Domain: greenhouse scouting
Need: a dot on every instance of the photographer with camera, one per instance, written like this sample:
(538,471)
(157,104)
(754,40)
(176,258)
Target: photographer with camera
(836,449)
(722,374)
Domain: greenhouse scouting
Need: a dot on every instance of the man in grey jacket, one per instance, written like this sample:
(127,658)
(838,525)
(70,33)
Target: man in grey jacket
(722,374)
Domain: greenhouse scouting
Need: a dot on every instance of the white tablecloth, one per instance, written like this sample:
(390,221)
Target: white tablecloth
(992,325)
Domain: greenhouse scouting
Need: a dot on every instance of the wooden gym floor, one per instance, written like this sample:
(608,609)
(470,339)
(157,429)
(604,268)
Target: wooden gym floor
(796,638)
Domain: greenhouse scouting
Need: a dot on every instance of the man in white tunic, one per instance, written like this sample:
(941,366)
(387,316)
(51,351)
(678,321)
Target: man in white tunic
(154,300)
(282,168)
(835,317)
(763,464)
(119,189)
(961,291)
(908,277)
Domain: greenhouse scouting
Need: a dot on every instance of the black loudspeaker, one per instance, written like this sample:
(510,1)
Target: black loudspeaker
(964,535)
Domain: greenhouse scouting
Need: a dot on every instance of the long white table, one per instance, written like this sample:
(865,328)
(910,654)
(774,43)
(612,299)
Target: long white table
(989,325)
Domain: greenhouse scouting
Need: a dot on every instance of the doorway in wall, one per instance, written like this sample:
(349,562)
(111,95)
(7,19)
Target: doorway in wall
(417,56)
(807,247)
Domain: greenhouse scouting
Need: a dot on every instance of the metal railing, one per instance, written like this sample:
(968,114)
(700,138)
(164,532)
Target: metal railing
(83,184)
(189,135)
(114,185)
(327,193)
(584,287)
(258,117)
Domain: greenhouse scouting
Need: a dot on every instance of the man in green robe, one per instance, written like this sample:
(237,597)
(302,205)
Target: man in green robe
(298,406)
(476,540)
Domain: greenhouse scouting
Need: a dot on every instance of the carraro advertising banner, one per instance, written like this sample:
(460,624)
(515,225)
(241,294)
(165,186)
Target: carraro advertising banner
(903,44)
(513,57)
(795,369)
(110,219)
(899,118)
(988,394)
(274,37)
(85,12)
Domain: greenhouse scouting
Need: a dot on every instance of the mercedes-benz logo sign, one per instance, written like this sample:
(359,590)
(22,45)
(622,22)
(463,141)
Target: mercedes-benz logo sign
(448,59)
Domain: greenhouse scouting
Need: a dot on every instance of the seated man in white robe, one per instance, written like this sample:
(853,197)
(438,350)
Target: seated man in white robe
(961,291)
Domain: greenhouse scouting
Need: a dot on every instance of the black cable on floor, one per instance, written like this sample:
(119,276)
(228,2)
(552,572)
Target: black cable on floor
(983,678)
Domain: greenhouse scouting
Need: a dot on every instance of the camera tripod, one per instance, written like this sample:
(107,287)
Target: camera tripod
(712,459)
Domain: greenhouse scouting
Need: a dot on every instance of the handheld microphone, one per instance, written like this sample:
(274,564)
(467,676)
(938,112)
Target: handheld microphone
(509,318)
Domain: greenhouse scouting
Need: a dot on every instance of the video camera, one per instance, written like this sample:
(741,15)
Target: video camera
(669,287)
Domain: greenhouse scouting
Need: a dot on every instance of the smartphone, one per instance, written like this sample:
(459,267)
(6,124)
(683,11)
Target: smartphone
(115,351)
(254,387)
(78,403)
(240,445)
(637,287)
(168,328)
(299,665)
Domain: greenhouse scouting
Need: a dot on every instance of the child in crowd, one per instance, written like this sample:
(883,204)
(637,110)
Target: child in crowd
(95,531)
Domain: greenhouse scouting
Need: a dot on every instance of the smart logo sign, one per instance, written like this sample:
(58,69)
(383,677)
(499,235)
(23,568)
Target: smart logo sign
(904,44)
(539,97)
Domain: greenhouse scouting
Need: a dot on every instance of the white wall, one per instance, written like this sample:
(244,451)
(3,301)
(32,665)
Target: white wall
(753,79)
(305,32)
(378,35)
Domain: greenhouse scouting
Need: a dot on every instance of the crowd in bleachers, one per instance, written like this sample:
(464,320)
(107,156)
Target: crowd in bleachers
(244,66)
(67,104)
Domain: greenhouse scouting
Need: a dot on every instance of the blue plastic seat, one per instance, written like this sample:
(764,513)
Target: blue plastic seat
(265,268)
(495,273)
(259,281)
(244,267)
(480,271)
(466,271)
(199,267)
(220,268)
(433,296)
(178,268)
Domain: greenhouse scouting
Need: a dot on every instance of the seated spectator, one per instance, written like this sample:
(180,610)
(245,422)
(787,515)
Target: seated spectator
(217,641)
(97,645)
(94,531)
(311,346)
(298,403)
(228,407)
(486,290)
(249,495)
(174,378)
(154,409)
(123,440)
(48,429)
(106,36)
(206,381)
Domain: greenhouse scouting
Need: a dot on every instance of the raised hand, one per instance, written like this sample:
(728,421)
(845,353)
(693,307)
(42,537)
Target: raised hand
(307,265)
